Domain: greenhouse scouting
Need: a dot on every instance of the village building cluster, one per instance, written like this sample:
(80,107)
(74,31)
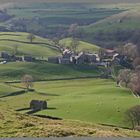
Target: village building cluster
(108,58)
(69,57)
(5,57)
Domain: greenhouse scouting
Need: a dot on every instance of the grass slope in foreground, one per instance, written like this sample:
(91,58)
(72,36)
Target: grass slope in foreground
(88,100)
(40,47)
(17,125)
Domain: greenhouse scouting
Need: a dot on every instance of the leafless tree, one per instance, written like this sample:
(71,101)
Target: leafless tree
(101,53)
(56,41)
(72,30)
(124,77)
(15,49)
(133,116)
(134,84)
(31,37)
(136,62)
(74,44)
(27,80)
(130,50)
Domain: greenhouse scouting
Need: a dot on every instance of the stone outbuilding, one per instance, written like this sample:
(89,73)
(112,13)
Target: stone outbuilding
(38,105)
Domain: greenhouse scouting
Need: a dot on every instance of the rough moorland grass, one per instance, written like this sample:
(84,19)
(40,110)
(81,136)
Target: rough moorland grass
(44,71)
(17,125)
(89,100)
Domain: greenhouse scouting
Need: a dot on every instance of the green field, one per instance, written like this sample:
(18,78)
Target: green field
(6,90)
(82,45)
(88,104)
(39,48)
(45,71)
(96,101)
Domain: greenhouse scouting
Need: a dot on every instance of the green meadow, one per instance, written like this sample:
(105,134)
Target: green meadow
(82,45)
(88,104)
(39,48)
(96,101)
(46,71)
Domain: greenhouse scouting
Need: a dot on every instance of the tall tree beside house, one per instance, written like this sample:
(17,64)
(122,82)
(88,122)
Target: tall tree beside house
(101,53)
(27,81)
(74,44)
(15,49)
(31,37)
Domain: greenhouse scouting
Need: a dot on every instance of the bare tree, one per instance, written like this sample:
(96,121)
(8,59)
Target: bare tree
(133,116)
(31,37)
(101,53)
(136,62)
(56,41)
(15,49)
(27,80)
(74,44)
(72,30)
(134,84)
(130,50)
(124,77)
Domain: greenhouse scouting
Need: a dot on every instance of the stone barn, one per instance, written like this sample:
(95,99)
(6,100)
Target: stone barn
(38,105)
(54,60)
(28,58)
(4,55)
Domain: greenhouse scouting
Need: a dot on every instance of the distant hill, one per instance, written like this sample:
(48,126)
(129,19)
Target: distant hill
(91,1)
(125,20)
(116,29)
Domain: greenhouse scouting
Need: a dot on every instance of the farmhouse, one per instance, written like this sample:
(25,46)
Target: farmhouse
(54,60)
(69,57)
(28,58)
(4,55)
(67,53)
(65,61)
(108,53)
(38,105)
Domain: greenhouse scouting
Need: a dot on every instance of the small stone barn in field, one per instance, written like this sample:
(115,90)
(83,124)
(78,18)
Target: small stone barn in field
(38,105)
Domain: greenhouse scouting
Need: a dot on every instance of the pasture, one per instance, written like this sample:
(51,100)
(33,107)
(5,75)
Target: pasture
(46,71)
(96,101)
(39,48)
(6,90)
(82,45)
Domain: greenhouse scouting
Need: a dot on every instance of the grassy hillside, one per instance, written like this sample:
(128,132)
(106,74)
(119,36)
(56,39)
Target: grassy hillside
(53,19)
(16,125)
(88,100)
(14,71)
(39,48)
(116,29)
(82,45)
(126,20)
